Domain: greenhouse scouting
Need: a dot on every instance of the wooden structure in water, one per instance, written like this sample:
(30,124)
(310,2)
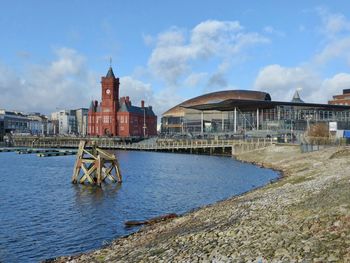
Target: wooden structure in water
(94,165)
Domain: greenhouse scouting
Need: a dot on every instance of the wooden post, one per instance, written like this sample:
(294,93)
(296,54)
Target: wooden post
(95,166)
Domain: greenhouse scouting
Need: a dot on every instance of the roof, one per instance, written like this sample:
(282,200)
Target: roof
(110,73)
(248,105)
(216,97)
(296,97)
(124,107)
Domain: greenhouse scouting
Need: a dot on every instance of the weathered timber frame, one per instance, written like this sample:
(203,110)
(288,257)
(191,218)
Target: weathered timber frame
(95,166)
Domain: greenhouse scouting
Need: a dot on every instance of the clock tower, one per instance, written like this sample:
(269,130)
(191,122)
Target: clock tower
(109,103)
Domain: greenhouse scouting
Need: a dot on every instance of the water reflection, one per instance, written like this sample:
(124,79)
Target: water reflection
(92,193)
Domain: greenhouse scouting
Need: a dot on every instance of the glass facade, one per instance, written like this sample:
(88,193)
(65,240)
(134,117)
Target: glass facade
(279,118)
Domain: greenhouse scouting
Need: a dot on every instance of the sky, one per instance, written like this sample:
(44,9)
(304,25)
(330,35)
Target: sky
(54,53)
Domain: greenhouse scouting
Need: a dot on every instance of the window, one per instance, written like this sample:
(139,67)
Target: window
(105,119)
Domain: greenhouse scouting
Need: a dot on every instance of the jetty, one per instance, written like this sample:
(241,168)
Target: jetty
(40,152)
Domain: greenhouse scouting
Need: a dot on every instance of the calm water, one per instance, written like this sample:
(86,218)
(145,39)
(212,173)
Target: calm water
(43,215)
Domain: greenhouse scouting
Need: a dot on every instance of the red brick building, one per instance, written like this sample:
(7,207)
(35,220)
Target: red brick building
(343,99)
(116,116)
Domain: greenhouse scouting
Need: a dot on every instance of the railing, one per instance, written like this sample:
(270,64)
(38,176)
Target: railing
(312,144)
(156,145)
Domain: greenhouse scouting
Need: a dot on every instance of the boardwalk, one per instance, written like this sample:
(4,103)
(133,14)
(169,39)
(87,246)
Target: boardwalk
(222,147)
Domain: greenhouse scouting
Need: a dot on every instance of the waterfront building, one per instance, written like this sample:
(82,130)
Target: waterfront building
(24,124)
(68,122)
(64,122)
(115,116)
(15,122)
(343,99)
(240,111)
(38,124)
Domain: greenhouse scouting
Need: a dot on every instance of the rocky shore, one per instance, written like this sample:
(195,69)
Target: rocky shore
(303,217)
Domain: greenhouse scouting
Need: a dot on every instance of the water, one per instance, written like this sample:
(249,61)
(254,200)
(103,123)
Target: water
(43,215)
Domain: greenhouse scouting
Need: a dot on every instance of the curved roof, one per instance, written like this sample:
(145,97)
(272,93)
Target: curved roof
(216,97)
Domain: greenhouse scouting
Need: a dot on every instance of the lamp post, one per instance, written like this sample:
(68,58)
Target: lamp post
(144,122)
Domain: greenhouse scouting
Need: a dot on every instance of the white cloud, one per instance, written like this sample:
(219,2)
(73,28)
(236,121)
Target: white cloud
(218,80)
(336,49)
(176,49)
(333,23)
(66,83)
(336,28)
(281,82)
(335,85)
(63,83)
(136,90)
(195,79)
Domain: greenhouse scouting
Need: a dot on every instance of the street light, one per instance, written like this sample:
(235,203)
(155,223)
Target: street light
(144,122)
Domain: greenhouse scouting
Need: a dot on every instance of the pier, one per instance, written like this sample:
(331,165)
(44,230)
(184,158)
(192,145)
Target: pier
(196,146)
(40,152)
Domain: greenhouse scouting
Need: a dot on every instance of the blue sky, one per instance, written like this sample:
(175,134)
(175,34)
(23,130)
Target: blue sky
(53,53)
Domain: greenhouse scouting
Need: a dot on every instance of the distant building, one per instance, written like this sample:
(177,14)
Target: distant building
(38,124)
(343,99)
(118,117)
(81,121)
(24,124)
(66,122)
(15,122)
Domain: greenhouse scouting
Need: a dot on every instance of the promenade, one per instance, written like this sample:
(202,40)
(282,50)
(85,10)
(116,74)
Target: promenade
(303,217)
(198,146)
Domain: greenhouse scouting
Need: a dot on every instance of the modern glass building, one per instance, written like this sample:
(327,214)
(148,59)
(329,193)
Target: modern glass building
(242,111)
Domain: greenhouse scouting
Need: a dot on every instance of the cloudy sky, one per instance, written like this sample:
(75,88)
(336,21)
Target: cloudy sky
(53,53)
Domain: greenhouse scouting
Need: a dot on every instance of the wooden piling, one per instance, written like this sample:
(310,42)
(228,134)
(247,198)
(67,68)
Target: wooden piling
(95,165)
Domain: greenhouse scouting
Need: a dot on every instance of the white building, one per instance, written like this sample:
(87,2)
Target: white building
(64,122)
(81,120)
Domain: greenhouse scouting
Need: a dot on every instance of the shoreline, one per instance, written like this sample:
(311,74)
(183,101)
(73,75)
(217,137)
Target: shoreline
(255,225)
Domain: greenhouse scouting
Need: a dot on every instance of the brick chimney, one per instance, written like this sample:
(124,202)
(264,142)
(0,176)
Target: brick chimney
(142,103)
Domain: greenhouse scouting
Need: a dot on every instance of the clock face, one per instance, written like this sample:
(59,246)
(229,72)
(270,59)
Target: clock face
(108,91)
